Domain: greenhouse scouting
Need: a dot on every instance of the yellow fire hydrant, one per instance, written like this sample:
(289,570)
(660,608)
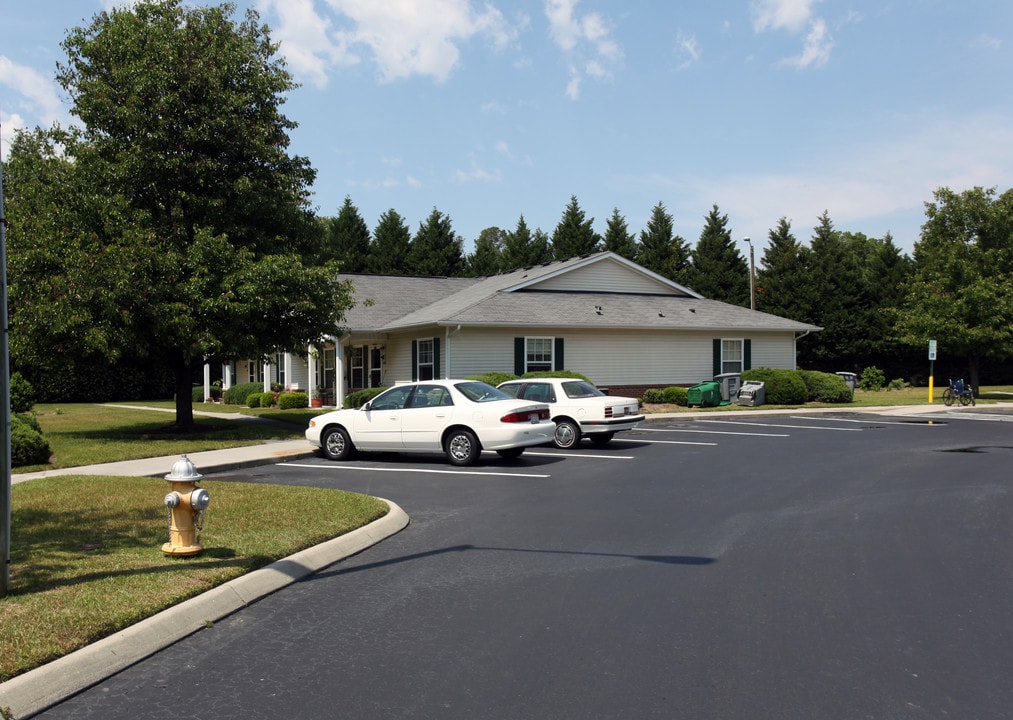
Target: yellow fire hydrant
(186,503)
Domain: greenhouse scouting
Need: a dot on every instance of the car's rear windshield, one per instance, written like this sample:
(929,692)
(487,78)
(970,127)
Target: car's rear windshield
(480,392)
(580,389)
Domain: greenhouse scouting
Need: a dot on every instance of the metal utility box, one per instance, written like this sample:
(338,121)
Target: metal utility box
(730,383)
(706,394)
(751,394)
(850,378)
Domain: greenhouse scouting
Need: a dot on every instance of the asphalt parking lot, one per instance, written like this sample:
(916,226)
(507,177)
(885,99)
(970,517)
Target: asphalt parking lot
(781,566)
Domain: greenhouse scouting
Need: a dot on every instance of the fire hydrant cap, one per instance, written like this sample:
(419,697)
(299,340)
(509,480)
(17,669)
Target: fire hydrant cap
(184,471)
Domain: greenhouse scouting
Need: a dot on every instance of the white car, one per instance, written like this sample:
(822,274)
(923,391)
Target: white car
(578,408)
(457,417)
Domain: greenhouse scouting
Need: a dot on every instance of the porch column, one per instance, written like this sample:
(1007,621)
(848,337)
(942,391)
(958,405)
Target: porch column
(267,376)
(207,381)
(311,369)
(339,370)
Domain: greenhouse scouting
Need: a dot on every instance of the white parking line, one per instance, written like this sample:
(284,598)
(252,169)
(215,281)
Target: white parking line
(709,432)
(412,470)
(792,427)
(580,455)
(677,442)
(866,421)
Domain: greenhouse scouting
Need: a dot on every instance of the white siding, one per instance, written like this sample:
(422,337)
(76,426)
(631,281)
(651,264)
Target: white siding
(605,277)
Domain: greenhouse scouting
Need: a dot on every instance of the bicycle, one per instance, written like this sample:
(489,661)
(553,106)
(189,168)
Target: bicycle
(958,392)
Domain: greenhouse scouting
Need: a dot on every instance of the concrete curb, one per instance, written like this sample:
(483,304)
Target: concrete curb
(39,689)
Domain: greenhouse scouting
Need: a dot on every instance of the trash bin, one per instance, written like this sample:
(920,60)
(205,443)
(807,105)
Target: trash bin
(730,383)
(706,394)
(850,378)
(751,394)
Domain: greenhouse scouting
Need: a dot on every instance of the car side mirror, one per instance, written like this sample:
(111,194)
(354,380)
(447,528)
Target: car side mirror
(367,406)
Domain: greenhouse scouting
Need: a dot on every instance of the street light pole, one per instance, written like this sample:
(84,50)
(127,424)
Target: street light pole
(752,275)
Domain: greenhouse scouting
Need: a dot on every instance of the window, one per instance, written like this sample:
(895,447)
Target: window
(375,366)
(538,354)
(356,369)
(326,370)
(731,356)
(426,360)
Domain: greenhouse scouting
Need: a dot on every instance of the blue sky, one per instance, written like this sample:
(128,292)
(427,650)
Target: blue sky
(489,109)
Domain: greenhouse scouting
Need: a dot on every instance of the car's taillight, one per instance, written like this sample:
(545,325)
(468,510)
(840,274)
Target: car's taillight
(608,412)
(526,416)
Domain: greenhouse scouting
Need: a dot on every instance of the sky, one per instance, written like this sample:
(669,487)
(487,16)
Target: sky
(487,110)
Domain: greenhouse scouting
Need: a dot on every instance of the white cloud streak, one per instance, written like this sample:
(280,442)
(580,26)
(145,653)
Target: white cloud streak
(585,40)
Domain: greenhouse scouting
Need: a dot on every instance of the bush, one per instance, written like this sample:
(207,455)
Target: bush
(675,396)
(22,394)
(28,447)
(493,378)
(872,378)
(239,394)
(556,374)
(898,384)
(253,399)
(290,400)
(782,387)
(653,396)
(360,397)
(268,399)
(826,387)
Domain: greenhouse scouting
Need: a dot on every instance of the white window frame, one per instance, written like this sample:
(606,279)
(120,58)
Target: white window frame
(538,353)
(425,347)
(728,351)
(357,366)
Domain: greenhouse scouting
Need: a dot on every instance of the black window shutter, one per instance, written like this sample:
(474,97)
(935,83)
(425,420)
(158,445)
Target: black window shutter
(519,356)
(747,354)
(557,356)
(717,356)
(415,360)
(436,358)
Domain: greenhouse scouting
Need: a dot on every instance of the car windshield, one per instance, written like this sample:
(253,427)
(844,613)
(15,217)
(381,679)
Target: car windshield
(480,391)
(581,389)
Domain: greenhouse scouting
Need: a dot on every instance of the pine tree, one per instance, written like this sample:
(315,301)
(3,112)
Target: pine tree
(618,238)
(661,250)
(522,249)
(435,249)
(347,239)
(574,235)
(780,285)
(388,253)
(719,271)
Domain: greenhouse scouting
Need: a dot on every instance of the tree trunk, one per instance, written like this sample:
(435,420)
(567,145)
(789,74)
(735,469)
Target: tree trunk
(184,396)
(973,366)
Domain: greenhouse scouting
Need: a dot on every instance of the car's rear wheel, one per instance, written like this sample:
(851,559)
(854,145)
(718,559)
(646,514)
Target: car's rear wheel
(462,447)
(601,439)
(336,444)
(510,453)
(567,434)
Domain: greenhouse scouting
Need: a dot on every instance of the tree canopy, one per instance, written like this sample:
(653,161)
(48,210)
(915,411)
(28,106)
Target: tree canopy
(574,235)
(718,270)
(182,228)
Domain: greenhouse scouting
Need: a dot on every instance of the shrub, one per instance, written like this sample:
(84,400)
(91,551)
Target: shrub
(493,378)
(898,384)
(556,374)
(361,397)
(253,399)
(781,387)
(28,447)
(675,396)
(268,399)
(22,394)
(238,394)
(872,378)
(826,387)
(290,400)
(653,396)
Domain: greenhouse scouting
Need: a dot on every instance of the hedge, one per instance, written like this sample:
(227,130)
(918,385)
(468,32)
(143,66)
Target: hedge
(290,400)
(238,394)
(22,394)
(28,447)
(826,387)
(360,397)
(781,387)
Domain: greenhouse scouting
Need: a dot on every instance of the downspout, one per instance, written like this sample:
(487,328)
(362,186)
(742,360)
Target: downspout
(446,371)
(794,349)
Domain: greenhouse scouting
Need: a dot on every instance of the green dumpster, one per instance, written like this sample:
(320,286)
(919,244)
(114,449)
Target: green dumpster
(706,394)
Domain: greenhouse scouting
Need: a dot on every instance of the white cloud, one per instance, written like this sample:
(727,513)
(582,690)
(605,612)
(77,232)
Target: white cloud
(306,39)
(791,15)
(31,95)
(407,37)
(689,49)
(586,40)
(818,44)
(989,42)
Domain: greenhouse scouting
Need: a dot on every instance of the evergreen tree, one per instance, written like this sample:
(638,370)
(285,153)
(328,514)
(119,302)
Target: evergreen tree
(347,239)
(388,253)
(488,256)
(618,237)
(661,250)
(522,249)
(780,285)
(574,235)
(719,271)
(435,249)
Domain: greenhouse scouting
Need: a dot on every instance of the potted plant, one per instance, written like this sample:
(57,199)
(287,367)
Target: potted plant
(317,400)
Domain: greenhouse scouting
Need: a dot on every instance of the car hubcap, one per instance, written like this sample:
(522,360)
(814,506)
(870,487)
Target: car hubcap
(460,447)
(335,443)
(564,435)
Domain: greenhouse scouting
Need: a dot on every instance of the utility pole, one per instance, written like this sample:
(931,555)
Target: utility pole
(752,275)
(5,410)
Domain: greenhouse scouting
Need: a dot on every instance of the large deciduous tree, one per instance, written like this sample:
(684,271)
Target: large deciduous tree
(962,291)
(189,227)
(488,256)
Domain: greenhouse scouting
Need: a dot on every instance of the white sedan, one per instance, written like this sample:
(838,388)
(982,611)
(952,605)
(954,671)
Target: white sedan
(457,417)
(578,408)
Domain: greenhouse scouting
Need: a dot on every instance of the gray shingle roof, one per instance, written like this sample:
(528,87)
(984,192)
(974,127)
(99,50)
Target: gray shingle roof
(388,303)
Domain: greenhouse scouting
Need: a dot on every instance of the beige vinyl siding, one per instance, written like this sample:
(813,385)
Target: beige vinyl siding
(604,278)
(774,350)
